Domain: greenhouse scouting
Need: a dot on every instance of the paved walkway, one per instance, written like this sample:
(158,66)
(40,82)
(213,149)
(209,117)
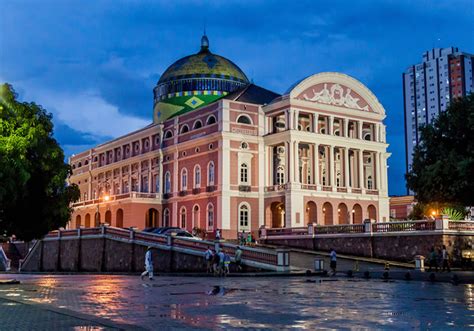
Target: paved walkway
(55,302)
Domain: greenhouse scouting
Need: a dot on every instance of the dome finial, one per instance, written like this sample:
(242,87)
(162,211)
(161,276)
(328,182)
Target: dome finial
(204,40)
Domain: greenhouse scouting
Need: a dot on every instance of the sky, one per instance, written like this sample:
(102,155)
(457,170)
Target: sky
(93,64)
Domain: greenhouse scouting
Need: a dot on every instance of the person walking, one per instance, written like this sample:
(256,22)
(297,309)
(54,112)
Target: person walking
(148,264)
(215,263)
(238,258)
(208,256)
(445,256)
(243,238)
(249,239)
(226,264)
(333,261)
(221,269)
(218,234)
(432,259)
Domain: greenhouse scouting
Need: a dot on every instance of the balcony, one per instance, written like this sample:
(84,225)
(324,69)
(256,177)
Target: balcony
(117,197)
(245,188)
(211,188)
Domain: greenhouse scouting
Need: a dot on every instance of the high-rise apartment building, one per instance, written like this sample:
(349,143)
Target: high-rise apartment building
(428,87)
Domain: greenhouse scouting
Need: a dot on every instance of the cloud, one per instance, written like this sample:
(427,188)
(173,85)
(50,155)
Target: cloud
(87,112)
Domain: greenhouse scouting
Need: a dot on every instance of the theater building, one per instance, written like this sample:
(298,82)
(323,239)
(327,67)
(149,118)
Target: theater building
(225,153)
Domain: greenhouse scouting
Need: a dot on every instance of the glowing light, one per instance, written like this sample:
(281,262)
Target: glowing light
(107,198)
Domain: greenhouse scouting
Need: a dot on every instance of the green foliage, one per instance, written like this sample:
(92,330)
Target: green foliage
(443,163)
(418,212)
(34,197)
(455,213)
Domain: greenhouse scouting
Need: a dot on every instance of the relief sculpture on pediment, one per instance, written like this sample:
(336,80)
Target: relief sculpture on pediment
(335,96)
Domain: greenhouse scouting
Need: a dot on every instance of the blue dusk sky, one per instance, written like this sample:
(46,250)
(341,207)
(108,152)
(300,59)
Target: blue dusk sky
(93,64)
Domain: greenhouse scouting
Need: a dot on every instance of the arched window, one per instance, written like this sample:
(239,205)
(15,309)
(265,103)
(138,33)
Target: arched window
(184,179)
(196,216)
(197,124)
(210,217)
(182,214)
(244,119)
(78,222)
(210,173)
(280,175)
(166,217)
(211,120)
(184,128)
(244,216)
(244,173)
(197,176)
(167,182)
(168,134)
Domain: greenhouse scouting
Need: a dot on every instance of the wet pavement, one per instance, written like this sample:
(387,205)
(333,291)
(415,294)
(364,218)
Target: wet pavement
(70,302)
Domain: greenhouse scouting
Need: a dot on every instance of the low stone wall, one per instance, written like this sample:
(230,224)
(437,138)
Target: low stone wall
(397,247)
(105,255)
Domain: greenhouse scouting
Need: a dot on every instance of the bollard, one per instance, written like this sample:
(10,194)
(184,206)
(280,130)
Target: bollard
(420,263)
(356,266)
(318,264)
(387,266)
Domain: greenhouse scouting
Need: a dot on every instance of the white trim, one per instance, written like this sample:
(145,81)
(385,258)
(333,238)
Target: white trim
(249,217)
(244,116)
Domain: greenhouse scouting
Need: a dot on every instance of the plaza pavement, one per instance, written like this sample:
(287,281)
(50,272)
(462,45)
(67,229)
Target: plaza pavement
(103,302)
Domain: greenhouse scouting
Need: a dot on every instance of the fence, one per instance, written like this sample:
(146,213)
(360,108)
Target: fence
(385,227)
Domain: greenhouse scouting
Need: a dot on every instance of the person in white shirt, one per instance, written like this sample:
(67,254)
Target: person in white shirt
(148,265)
(333,259)
(208,255)
(445,256)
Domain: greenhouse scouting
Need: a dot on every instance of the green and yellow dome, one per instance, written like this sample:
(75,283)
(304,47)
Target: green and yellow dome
(195,81)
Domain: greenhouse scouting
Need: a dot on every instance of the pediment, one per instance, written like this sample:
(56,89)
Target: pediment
(335,94)
(336,89)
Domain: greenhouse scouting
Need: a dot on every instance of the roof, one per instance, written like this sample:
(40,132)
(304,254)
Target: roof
(252,93)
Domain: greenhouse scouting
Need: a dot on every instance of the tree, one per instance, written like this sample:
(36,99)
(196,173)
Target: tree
(443,162)
(34,195)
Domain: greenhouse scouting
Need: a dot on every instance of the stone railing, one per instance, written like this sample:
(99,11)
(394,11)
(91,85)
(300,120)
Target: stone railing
(287,231)
(277,259)
(404,226)
(370,228)
(342,228)
(461,225)
(130,195)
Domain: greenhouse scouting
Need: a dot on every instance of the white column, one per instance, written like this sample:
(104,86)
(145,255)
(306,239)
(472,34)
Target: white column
(346,167)
(296,121)
(359,129)
(346,127)
(140,176)
(150,179)
(315,122)
(330,125)
(377,166)
(316,165)
(121,181)
(290,119)
(331,167)
(160,173)
(361,169)
(288,163)
(296,162)
(376,132)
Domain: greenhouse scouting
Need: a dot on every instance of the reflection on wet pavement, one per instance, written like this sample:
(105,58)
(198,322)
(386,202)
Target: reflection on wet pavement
(262,303)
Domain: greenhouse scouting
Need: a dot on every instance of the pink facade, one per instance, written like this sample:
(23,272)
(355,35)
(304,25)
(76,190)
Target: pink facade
(238,164)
